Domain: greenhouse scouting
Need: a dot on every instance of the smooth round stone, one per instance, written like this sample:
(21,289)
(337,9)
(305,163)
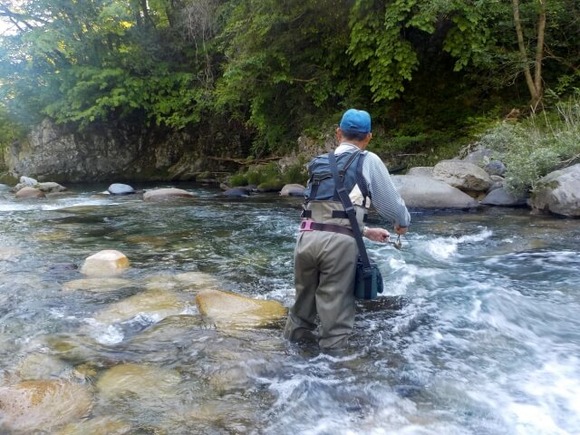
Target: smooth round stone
(165,194)
(236,311)
(120,189)
(40,405)
(143,381)
(107,262)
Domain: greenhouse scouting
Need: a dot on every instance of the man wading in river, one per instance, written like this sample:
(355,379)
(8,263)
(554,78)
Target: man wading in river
(326,252)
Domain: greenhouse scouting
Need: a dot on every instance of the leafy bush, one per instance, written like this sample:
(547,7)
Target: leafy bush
(239,179)
(9,132)
(537,146)
(295,174)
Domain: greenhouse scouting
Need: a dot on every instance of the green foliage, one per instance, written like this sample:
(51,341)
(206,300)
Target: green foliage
(538,145)
(98,61)
(295,174)
(9,131)
(377,43)
(431,72)
(270,176)
(239,179)
(285,64)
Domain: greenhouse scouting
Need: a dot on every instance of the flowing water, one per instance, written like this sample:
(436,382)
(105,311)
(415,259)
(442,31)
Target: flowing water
(478,331)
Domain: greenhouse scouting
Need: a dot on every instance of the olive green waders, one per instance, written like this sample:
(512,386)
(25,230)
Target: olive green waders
(324,264)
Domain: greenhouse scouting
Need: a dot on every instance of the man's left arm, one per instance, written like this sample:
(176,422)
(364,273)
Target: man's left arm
(384,196)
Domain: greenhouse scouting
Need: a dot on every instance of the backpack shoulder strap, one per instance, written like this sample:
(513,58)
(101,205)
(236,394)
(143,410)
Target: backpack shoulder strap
(349,209)
(360,179)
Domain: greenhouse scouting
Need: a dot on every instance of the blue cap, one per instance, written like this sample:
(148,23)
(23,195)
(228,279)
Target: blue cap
(356,121)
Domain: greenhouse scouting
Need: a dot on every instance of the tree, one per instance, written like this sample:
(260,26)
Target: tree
(477,34)
(533,80)
(285,66)
(95,60)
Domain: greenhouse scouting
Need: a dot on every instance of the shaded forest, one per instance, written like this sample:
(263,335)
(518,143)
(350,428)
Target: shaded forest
(434,74)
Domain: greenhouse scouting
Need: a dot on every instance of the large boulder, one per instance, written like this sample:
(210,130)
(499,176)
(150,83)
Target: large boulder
(462,175)
(426,192)
(229,310)
(558,192)
(495,167)
(501,197)
(421,171)
(480,156)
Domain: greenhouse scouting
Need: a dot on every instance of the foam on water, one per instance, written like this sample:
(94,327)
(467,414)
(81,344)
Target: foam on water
(60,204)
(105,334)
(442,248)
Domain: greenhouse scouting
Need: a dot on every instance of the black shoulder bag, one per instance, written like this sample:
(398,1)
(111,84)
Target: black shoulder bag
(368,281)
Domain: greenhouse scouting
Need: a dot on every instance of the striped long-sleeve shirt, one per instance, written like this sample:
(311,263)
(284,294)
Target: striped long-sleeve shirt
(385,198)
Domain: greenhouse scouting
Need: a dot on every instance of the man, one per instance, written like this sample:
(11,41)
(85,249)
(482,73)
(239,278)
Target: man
(325,257)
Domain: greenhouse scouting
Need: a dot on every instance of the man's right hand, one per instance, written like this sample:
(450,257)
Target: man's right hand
(400,230)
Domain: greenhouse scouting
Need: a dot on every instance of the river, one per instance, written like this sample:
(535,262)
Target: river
(477,332)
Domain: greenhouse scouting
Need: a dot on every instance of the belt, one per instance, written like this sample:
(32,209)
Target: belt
(309,225)
(336,214)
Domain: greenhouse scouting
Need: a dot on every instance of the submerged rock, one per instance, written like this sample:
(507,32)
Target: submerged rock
(41,366)
(40,405)
(97,426)
(9,253)
(237,192)
(142,381)
(103,284)
(165,194)
(156,304)
(232,310)
(188,281)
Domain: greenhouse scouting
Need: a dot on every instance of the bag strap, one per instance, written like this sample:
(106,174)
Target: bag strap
(349,209)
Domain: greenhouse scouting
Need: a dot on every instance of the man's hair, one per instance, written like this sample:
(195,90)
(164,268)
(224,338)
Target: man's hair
(354,135)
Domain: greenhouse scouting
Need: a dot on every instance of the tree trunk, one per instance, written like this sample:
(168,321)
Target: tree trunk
(534,82)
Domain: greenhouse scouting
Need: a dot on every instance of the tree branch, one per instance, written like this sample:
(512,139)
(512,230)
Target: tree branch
(19,18)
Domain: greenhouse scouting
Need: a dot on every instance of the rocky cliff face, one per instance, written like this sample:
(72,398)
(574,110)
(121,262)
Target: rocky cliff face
(57,153)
